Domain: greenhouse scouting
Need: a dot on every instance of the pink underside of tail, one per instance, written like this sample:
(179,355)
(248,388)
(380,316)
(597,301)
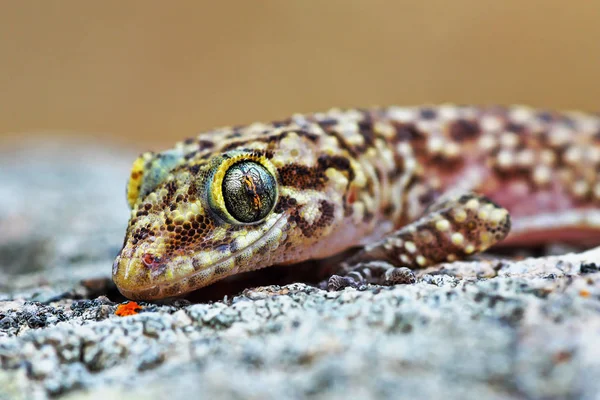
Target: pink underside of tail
(547,216)
(579,236)
(539,216)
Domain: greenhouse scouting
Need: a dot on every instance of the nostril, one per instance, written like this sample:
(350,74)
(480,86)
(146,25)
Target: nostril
(150,260)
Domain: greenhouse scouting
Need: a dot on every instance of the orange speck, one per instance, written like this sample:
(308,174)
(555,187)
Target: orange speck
(129,308)
(584,293)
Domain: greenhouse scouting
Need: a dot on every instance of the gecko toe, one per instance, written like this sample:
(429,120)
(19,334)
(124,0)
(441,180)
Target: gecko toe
(399,276)
(337,282)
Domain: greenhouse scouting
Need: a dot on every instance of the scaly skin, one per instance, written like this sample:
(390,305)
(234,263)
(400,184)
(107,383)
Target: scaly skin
(354,177)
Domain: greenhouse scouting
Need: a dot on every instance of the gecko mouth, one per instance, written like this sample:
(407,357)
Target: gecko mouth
(182,274)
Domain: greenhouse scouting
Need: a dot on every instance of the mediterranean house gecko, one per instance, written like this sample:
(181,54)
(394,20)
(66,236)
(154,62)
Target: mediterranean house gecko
(415,186)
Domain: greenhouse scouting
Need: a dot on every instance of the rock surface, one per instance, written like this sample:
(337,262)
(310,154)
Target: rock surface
(490,328)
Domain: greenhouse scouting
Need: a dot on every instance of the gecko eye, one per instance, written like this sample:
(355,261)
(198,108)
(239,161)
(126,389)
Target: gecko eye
(249,191)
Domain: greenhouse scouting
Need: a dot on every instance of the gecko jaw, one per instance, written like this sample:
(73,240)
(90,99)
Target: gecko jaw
(183,273)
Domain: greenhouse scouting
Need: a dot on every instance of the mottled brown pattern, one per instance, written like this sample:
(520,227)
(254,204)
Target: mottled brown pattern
(462,130)
(345,175)
(301,176)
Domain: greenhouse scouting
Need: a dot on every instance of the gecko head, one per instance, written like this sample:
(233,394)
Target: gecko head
(197,221)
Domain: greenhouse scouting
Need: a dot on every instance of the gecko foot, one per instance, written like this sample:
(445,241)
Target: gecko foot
(374,272)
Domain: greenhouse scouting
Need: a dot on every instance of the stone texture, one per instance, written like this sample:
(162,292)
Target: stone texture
(490,328)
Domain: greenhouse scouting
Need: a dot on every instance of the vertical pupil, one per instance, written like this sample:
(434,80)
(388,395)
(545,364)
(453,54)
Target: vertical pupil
(248,191)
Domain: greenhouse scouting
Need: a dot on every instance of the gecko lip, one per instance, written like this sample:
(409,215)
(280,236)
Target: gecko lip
(127,269)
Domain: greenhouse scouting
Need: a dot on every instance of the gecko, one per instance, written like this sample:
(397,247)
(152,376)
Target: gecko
(412,187)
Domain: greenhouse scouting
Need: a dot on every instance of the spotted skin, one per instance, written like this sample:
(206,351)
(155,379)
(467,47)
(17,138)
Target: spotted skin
(415,186)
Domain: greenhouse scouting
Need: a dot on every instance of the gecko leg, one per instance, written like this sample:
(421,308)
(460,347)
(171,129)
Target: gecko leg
(452,228)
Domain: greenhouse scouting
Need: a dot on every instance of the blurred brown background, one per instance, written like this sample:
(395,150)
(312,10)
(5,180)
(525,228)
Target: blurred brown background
(149,73)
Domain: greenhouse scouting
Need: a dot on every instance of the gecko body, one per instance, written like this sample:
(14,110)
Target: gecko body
(415,186)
